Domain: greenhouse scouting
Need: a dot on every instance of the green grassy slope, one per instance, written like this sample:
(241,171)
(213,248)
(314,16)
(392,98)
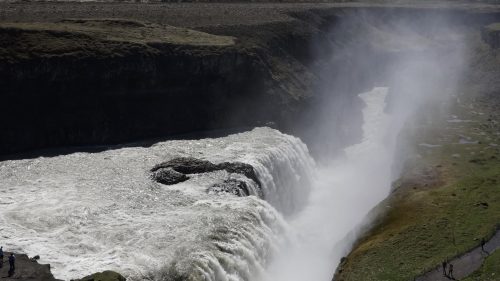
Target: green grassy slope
(490,270)
(447,200)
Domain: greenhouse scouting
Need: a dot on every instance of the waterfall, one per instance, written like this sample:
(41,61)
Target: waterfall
(88,212)
(341,196)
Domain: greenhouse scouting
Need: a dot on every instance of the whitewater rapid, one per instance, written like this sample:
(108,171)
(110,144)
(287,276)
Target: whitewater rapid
(343,193)
(88,212)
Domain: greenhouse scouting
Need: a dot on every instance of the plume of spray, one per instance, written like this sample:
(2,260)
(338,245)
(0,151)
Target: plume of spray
(421,67)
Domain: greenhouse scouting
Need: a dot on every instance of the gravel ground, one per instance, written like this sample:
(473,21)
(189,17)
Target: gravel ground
(183,14)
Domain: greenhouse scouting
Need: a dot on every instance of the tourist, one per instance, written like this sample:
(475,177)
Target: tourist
(483,242)
(1,257)
(12,263)
(444,268)
(450,272)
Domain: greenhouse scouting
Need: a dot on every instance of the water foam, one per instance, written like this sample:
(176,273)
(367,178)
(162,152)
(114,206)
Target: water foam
(344,192)
(88,212)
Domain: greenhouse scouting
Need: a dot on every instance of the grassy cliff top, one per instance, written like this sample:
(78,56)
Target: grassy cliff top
(447,199)
(196,15)
(122,30)
(96,38)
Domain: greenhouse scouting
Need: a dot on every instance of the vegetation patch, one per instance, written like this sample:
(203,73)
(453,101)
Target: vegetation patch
(84,37)
(489,271)
(447,200)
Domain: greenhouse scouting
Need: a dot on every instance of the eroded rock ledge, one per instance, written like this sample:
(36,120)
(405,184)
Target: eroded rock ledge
(29,269)
(26,269)
(177,170)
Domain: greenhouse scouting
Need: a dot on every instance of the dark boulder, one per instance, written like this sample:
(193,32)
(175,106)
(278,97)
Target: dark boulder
(168,176)
(107,275)
(187,165)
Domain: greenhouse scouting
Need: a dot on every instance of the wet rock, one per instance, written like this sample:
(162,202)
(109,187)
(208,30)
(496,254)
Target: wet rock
(103,276)
(187,165)
(168,176)
(240,168)
(177,169)
(26,269)
(233,186)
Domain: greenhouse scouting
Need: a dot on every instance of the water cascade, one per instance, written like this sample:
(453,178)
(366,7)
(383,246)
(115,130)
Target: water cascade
(86,212)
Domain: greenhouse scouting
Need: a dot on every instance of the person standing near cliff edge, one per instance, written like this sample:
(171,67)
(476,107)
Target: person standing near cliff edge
(1,257)
(12,264)
(444,267)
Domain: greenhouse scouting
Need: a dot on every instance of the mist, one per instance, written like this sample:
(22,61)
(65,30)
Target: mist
(411,70)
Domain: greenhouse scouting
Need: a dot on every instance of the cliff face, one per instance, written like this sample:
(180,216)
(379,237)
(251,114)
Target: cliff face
(81,89)
(86,82)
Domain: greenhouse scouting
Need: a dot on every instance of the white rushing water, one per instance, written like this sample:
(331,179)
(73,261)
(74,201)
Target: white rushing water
(343,194)
(88,212)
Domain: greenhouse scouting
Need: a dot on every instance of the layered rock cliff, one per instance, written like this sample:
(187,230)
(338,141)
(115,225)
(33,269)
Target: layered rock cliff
(104,81)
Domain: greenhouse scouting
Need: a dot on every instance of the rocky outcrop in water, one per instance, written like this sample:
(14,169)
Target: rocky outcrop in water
(232,186)
(103,276)
(177,169)
(168,176)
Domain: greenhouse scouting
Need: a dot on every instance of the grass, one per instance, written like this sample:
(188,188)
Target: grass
(489,271)
(127,31)
(95,37)
(444,204)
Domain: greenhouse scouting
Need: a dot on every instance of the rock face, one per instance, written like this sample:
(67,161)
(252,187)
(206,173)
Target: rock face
(29,269)
(90,82)
(108,81)
(87,82)
(26,269)
(177,169)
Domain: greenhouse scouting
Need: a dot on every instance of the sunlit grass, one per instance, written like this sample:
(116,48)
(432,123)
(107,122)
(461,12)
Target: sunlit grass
(489,271)
(445,203)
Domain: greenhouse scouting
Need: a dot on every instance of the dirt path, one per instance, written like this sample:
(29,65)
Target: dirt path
(465,264)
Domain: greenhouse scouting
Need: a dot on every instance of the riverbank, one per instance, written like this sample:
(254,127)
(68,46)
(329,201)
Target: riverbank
(447,199)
